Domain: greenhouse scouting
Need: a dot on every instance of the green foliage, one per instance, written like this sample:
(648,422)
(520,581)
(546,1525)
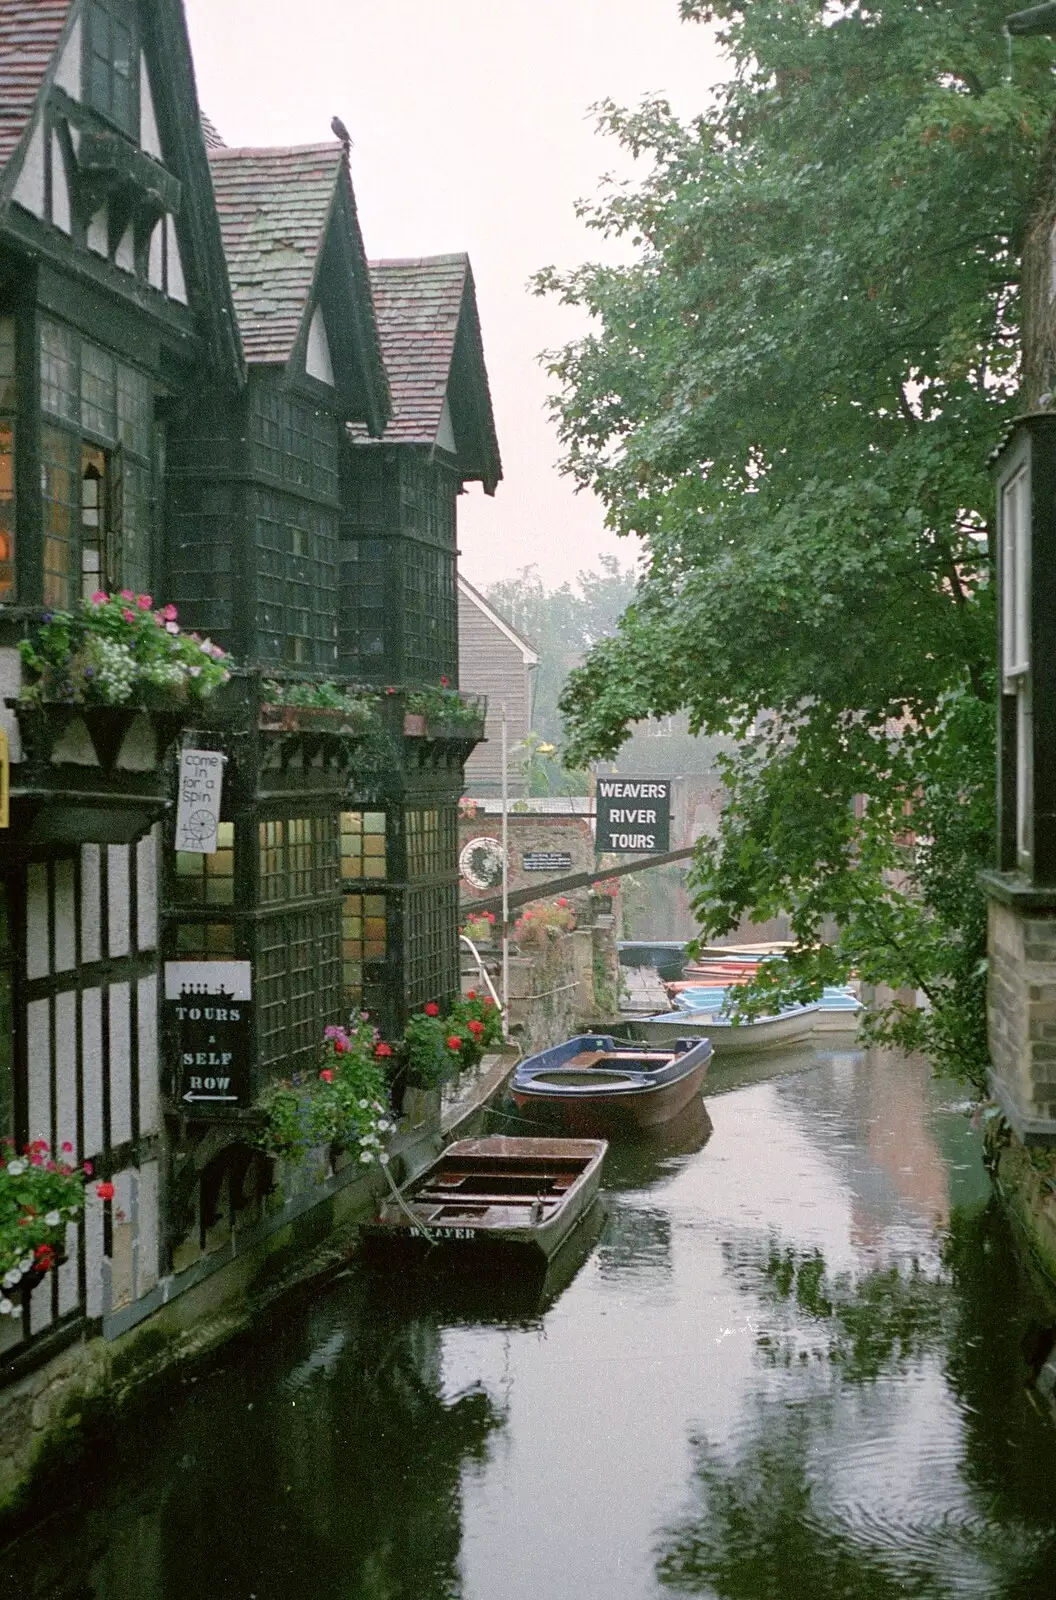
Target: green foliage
(39,1196)
(117,650)
(344,1104)
(436,1046)
(321,694)
(446,706)
(790,397)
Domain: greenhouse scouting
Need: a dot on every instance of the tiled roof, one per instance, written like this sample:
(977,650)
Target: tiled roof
(427,315)
(418,304)
(274,206)
(29,34)
(210,134)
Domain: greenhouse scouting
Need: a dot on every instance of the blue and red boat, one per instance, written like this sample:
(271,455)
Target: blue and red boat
(597,1085)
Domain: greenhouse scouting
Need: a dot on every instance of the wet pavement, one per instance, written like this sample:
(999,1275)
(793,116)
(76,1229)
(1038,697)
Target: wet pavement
(791,1366)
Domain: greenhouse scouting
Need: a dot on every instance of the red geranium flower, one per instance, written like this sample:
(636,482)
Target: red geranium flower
(105,1191)
(445,681)
(476,1028)
(326,1075)
(67,1146)
(471,994)
(454,1042)
(381,1050)
(431,1008)
(488,1001)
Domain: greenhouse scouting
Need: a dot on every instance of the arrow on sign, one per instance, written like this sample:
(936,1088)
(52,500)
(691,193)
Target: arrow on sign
(190,1096)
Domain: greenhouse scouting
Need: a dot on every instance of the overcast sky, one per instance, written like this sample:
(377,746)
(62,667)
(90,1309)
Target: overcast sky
(471,132)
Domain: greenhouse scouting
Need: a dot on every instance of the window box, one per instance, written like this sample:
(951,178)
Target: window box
(91,774)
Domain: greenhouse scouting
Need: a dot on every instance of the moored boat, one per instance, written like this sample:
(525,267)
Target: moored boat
(597,1084)
(520,1196)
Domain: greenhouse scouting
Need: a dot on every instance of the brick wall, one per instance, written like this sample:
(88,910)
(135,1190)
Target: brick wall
(1021,1009)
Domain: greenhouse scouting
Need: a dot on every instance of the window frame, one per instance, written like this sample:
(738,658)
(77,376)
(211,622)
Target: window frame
(123,14)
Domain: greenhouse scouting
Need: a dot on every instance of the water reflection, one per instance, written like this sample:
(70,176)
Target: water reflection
(900,1454)
(793,1364)
(331,1468)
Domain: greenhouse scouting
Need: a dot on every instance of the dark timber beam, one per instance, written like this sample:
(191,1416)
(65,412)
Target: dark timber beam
(1036,19)
(575,880)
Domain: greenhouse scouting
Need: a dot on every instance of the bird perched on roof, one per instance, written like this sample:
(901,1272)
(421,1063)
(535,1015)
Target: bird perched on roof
(339,131)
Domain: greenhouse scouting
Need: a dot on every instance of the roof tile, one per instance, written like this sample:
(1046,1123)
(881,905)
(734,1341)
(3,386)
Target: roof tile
(274,206)
(418,303)
(29,34)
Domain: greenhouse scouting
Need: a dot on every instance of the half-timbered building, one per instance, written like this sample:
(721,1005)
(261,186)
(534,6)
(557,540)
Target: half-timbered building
(208,396)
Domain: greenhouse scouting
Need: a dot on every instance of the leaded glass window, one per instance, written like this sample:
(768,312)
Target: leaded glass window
(205,941)
(362,844)
(298,985)
(112,63)
(432,841)
(207,880)
(105,412)
(431,943)
(363,939)
(298,858)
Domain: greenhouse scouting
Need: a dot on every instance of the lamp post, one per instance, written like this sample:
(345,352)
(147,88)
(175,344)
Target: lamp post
(505,880)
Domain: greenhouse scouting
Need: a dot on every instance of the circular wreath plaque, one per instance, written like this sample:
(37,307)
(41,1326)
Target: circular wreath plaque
(480,862)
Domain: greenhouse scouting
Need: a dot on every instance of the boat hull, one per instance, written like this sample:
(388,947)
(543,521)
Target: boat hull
(581,1103)
(765,1034)
(490,1200)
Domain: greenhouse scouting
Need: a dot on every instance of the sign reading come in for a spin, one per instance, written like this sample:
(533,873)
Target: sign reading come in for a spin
(634,816)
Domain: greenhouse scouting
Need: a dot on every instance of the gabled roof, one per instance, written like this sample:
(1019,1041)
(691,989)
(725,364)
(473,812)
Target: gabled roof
(30,31)
(430,338)
(528,651)
(32,34)
(279,209)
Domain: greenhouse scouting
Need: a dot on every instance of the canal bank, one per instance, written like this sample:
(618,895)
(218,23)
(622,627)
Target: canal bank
(792,1364)
(252,1267)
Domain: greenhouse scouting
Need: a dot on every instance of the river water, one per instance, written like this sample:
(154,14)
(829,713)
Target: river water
(791,1366)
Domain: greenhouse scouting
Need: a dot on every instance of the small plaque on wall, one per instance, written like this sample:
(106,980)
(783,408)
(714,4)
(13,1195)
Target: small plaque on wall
(198,806)
(209,1006)
(546,861)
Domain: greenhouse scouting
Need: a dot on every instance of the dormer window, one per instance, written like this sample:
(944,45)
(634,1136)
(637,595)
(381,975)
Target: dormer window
(112,63)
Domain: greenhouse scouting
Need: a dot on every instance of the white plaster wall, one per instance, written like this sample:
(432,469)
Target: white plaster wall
(147,1028)
(29,189)
(37,957)
(98,235)
(156,257)
(118,918)
(120,1063)
(125,254)
(38,1069)
(61,214)
(445,433)
(147,1228)
(317,361)
(68,72)
(92,1071)
(177,285)
(147,869)
(148,122)
(65,917)
(65,1071)
(91,908)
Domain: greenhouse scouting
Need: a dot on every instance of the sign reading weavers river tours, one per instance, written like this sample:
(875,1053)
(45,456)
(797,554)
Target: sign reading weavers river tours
(633,816)
(208,1005)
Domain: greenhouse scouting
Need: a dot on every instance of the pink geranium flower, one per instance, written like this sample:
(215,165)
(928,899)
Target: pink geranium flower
(100,598)
(144,601)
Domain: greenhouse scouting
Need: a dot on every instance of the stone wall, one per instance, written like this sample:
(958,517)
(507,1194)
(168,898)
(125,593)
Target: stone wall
(1021,1010)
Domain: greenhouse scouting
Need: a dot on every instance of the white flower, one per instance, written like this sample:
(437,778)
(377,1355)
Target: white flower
(16,1168)
(384,1126)
(364,1105)
(26,1263)
(384,1160)
(12,1277)
(366,1156)
(6,1308)
(52,1218)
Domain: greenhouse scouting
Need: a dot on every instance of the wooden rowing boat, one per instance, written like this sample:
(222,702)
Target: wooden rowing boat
(595,1084)
(482,1195)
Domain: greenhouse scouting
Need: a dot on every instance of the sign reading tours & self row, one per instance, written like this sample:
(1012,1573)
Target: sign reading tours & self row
(633,816)
(208,1006)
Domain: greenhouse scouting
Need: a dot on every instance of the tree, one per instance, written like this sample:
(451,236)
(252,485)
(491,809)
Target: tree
(789,396)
